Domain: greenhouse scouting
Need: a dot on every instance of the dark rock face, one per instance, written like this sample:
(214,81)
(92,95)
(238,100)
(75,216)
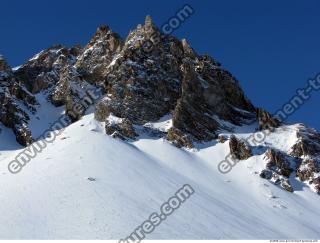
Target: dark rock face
(239,149)
(14,115)
(307,169)
(179,138)
(265,120)
(278,169)
(51,73)
(92,64)
(4,67)
(61,91)
(144,85)
(192,115)
(222,139)
(278,162)
(303,162)
(123,129)
(307,149)
(308,143)
(42,71)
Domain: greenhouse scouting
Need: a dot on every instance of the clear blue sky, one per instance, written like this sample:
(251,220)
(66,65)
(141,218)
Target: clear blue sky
(272,46)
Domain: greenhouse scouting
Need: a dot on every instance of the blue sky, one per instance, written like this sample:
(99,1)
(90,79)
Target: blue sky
(272,47)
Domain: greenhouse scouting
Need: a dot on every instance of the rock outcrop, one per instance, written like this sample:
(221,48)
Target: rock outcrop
(93,62)
(279,167)
(42,71)
(308,143)
(239,149)
(143,86)
(120,128)
(278,162)
(16,103)
(179,138)
(222,138)
(51,73)
(307,148)
(265,120)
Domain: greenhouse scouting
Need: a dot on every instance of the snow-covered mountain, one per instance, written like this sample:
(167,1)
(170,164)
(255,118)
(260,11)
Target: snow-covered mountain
(95,139)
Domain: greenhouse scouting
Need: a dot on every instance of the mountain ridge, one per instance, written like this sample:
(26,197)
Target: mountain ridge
(141,86)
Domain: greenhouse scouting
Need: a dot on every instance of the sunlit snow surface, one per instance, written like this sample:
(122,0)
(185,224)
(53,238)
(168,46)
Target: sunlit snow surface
(52,198)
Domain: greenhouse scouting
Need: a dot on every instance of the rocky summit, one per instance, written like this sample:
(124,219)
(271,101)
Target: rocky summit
(141,79)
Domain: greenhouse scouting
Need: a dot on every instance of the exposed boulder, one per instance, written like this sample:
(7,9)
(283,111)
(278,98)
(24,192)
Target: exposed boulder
(307,169)
(23,134)
(120,128)
(316,183)
(277,179)
(278,162)
(265,120)
(266,174)
(239,149)
(285,184)
(179,138)
(222,138)
(279,167)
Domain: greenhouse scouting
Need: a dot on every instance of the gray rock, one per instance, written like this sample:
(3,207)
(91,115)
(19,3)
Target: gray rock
(265,120)
(239,149)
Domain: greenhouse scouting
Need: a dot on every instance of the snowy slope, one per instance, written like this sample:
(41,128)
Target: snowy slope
(52,197)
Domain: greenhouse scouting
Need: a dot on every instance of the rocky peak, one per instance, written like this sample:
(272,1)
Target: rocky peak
(265,120)
(4,67)
(149,26)
(42,71)
(141,85)
(148,22)
(149,76)
(102,30)
(187,49)
(92,64)
(144,85)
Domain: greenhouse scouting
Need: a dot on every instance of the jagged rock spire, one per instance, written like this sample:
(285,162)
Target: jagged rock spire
(103,29)
(148,23)
(3,64)
(188,50)
(149,26)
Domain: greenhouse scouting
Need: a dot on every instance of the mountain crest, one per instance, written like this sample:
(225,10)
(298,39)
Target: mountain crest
(142,86)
